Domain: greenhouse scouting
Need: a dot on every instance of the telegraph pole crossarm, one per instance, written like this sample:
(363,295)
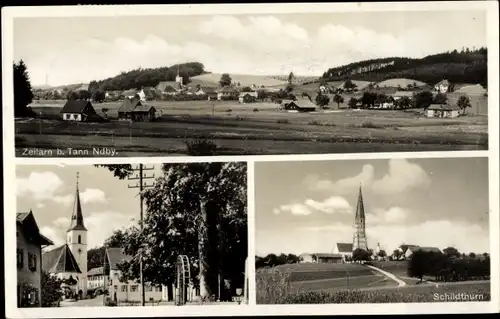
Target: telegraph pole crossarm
(141,176)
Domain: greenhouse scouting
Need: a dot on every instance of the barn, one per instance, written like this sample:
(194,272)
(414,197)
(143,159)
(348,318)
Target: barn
(328,258)
(443,111)
(300,105)
(79,111)
(136,110)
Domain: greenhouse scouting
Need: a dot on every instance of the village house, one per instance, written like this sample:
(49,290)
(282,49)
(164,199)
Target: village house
(328,258)
(208,91)
(403,250)
(96,280)
(299,105)
(69,261)
(130,291)
(29,260)
(131,93)
(148,93)
(136,110)
(248,97)
(442,111)
(344,249)
(401,94)
(227,93)
(79,111)
(442,87)
(430,249)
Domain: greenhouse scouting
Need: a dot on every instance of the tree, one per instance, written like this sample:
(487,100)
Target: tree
(440,98)
(51,290)
(246,89)
(396,254)
(95,257)
(403,103)
(451,252)
(353,102)
(368,99)
(203,207)
(349,85)
(382,253)
(322,100)
(463,103)
(291,76)
(423,99)
(23,95)
(472,255)
(93,86)
(338,99)
(262,94)
(418,264)
(98,96)
(225,80)
(116,239)
(72,95)
(289,88)
(360,255)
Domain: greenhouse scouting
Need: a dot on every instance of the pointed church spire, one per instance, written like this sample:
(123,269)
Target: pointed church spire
(360,208)
(359,238)
(77,216)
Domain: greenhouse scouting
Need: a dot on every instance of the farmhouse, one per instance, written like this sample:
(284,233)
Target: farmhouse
(169,87)
(443,111)
(300,105)
(148,92)
(328,258)
(247,97)
(119,290)
(131,93)
(29,258)
(208,91)
(442,87)
(344,249)
(227,93)
(136,110)
(402,94)
(79,111)
(95,279)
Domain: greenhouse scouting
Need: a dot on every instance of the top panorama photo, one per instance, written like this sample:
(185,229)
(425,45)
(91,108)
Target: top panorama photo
(201,85)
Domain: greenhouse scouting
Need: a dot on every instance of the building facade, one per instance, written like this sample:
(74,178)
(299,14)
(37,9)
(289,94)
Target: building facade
(29,260)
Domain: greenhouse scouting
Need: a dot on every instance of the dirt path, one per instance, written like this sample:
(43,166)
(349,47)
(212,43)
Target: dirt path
(390,275)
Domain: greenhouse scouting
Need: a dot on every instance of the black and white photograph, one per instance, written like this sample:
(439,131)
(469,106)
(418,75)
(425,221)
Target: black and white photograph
(372,231)
(250,84)
(83,239)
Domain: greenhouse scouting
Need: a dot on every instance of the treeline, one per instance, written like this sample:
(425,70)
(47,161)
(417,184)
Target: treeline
(465,66)
(272,260)
(135,79)
(443,267)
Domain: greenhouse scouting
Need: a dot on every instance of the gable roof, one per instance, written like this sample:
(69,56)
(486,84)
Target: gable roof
(228,89)
(129,104)
(130,92)
(405,247)
(443,82)
(344,247)
(75,106)
(443,107)
(403,94)
(60,260)
(304,103)
(31,231)
(96,271)
(208,90)
(115,255)
(430,249)
(321,255)
(77,216)
(143,108)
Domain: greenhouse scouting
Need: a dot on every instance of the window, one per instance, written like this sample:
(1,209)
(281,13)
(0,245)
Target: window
(149,288)
(32,261)
(20,258)
(124,288)
(79,239)
(133,288)
(115,287)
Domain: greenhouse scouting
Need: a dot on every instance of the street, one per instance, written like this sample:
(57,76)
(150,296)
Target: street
(94,302)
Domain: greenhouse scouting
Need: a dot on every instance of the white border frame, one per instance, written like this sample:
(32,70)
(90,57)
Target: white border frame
(9,13)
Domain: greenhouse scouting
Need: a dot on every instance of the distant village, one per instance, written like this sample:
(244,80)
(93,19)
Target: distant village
(442,99)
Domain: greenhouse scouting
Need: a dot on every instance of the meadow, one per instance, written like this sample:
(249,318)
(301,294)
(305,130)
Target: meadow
(326,283)
(251,129)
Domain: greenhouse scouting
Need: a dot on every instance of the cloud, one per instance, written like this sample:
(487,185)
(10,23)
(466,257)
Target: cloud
(40,205)
(39,185)
(331,205)
(402,175)
(100,226)
(93,195)
(393,215)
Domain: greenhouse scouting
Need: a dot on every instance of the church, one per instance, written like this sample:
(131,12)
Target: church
(69,261)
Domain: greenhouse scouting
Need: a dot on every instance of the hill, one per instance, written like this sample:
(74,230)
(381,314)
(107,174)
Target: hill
(466,66)
(212,79)
(400,82)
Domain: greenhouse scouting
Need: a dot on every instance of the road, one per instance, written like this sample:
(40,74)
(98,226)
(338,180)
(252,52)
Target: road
(94,302)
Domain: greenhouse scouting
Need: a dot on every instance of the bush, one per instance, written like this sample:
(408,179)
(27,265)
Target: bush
(229,110)
(272,286)
(201,147)
(283,121)
(369,124)
(256,110)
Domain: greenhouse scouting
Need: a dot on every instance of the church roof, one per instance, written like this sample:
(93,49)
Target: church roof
(360,208)
(344,247)
(115,255)
(60,260)
(77,217)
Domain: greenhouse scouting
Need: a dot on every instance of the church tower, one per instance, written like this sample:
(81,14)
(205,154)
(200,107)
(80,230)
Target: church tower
(359,238)
(77,240)
(178,78)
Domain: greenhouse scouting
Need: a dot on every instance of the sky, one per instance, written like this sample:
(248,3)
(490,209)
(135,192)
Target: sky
(107,202)
(436,202)
(81,49)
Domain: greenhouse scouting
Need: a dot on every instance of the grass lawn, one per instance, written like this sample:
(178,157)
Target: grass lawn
(252,129)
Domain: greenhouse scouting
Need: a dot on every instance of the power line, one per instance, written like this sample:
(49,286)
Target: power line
(141,176)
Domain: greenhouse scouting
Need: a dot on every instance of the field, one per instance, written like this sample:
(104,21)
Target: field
(355,283)
(251,129)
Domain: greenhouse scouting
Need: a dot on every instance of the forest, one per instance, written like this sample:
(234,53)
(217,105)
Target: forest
(465,66)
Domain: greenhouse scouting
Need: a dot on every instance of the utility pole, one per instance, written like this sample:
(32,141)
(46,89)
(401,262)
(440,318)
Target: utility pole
(142,178)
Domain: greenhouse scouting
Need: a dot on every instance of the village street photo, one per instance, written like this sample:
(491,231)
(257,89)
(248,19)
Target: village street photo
(132,235)
(250,84)
(372,231)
